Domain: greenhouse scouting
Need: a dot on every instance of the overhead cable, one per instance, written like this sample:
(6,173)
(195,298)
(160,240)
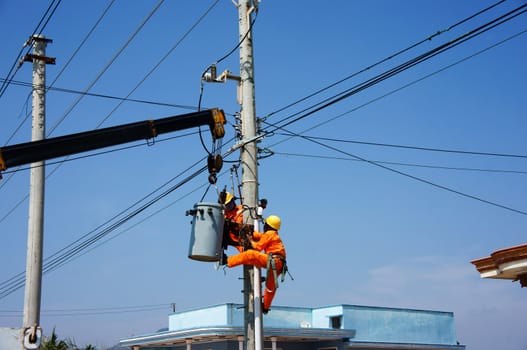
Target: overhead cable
(65,254)
(106,96)
(69,252)
(47,88)
(135,88)
(89,311)
(407,175)
(38,29)
(404,66)
(107,66)
(287,154)
(412,46)
(412,147)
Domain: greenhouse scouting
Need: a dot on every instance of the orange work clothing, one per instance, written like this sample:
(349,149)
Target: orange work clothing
(233,224)
(270,243)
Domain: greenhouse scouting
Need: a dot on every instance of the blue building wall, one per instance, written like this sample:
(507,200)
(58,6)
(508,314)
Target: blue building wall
(372,324)
(381,324)
(298,328)
(400,325)
(232,315)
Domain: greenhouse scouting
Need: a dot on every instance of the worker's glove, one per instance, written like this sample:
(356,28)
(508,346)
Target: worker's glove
(245,236)
(231,226)
(247,230)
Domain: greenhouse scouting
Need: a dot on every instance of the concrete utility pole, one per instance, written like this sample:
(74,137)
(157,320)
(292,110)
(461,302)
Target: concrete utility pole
(248,157)
(36,191)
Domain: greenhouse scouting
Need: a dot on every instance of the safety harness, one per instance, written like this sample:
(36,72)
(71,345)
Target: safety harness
(271,268)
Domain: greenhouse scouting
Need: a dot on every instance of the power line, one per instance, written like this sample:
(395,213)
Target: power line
(69,159)
(57,123)
(407,175)
(90,311)
(68,253)
(12,71)
(165,56)
(403,164)
(412,46)
(404,66)
(61,71)
(137,223)
(406,85)
(106,96)
(178,42)
(122,99)
(412,147)
(399,172)
(107,66)
(65,254)
(251,24)
(402,87)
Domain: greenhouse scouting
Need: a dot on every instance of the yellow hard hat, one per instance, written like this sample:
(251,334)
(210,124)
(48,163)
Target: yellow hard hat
(273,221)
(225,197)
(228,198)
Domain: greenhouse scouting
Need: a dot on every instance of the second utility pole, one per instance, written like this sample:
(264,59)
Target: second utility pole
(36,192)
(248,157)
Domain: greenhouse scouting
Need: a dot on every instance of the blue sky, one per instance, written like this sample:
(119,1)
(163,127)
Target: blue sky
(355,232)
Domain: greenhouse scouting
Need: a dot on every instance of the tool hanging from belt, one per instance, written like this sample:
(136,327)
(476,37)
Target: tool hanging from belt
(271,263)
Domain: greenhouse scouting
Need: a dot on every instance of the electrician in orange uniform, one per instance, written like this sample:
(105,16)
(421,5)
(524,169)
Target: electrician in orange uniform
(272,257)
(233,221)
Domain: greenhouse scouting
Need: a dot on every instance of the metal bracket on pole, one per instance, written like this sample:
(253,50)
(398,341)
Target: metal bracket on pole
(243,143)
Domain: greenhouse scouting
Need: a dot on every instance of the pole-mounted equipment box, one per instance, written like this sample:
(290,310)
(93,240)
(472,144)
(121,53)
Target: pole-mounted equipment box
(207,232)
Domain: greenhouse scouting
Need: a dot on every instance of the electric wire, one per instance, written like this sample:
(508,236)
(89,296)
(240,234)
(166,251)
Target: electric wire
(150,216)
(403,87)
(99,153)
(107,66)
(416,178)
(276,127)
(115,217)
(12,71)
(27,113)
(47,88)
(140,221)
(178,42)
(86,93)
(288,154)
(66,254)
(165,56)
(240,42)
(89,311)
(351,155)
(14,283)
(110,97)
(65,66)
(404,66)
(412,46)
(408,84)
(224,57)
(126,98)
(418,148)
(116,55)
(82,43)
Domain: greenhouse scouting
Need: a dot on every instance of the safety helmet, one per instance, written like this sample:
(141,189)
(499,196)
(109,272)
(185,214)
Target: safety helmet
(225,197)
(228,198)
(273,221)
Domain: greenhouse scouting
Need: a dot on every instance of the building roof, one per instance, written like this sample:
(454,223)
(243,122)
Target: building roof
(508,263)
(373,327)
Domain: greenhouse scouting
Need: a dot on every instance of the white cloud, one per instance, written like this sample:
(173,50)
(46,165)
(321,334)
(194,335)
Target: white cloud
(489,314)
